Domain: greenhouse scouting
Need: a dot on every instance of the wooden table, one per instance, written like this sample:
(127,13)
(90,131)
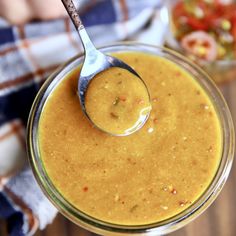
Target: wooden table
(218,220)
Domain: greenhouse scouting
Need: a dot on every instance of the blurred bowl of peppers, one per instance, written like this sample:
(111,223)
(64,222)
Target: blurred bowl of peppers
(205,31)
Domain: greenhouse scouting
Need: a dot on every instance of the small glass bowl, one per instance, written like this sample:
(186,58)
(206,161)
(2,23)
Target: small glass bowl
(158,228)
(220,71)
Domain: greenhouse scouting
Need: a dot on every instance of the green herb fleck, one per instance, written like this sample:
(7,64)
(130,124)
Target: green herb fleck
(116,101)
(113,115)
(133,208)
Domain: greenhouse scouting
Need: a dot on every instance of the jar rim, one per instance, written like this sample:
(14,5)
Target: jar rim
(162,227)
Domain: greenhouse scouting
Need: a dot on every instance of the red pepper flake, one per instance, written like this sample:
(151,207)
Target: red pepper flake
(85,189)
(210,149)
(178,73)
(122,98)
(155,99)
(155,120)
(182,203)
(204,106)
(174,191)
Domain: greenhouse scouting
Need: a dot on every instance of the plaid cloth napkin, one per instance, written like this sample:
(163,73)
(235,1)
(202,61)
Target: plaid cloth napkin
(28,54)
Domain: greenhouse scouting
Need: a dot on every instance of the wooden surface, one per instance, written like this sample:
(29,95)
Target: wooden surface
(218,220)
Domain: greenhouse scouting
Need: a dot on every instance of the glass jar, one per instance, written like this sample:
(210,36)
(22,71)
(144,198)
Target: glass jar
(165,226)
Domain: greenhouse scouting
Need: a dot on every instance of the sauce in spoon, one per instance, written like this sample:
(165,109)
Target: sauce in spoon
(122,99)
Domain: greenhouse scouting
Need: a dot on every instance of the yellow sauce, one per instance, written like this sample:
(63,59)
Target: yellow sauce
(151,175)
(117,101)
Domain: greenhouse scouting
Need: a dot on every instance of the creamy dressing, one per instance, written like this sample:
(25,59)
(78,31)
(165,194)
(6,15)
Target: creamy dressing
(151,175)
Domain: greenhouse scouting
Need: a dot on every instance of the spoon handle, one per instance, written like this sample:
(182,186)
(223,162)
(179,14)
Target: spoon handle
(72,11)
(74,15)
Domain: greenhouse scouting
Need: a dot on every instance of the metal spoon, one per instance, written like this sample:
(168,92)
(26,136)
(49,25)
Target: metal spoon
(95,62)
